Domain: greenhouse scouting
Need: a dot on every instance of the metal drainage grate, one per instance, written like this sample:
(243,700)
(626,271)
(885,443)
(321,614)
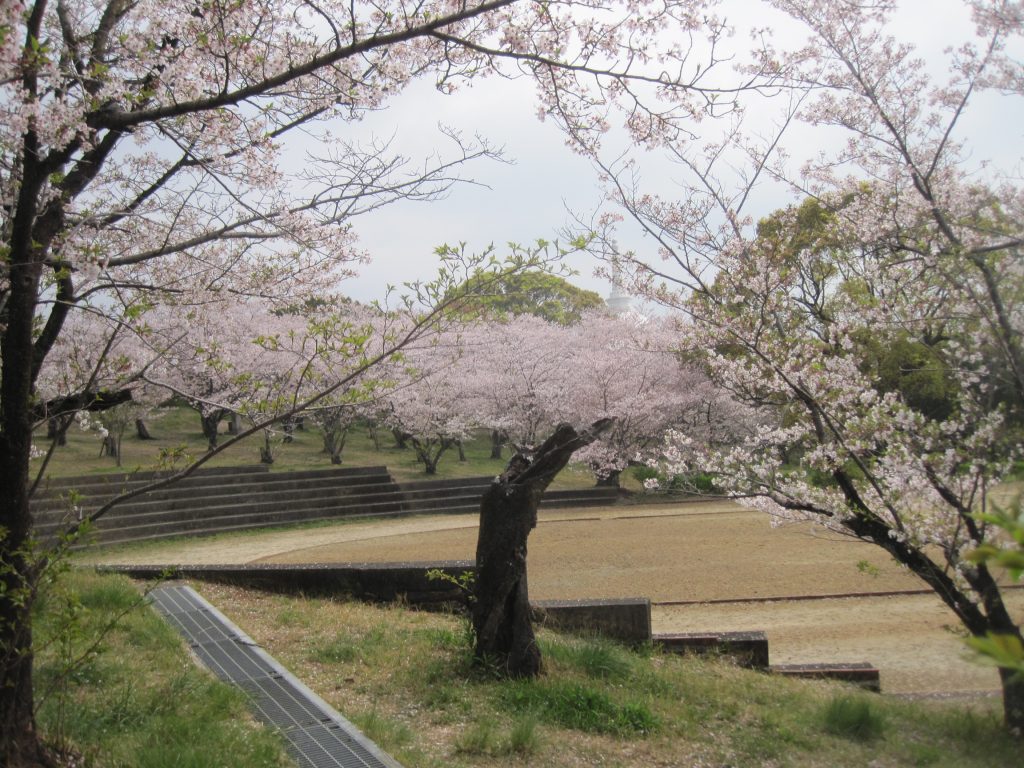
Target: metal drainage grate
(317,735)
(277,702)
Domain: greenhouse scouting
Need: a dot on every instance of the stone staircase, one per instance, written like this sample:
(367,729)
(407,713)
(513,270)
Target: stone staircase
(238,498)
(462,495)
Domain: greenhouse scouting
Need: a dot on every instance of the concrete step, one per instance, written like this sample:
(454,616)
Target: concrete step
(199,513)
(226,499)
(220,496)
(453,482)
(861,673)
(117,479)
(246,483)
(749,648)
(229,523)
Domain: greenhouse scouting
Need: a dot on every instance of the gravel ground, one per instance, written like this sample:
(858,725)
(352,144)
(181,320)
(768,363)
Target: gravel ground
(696,554)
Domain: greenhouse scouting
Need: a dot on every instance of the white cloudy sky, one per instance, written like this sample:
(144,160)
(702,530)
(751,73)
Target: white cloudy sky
(530,198)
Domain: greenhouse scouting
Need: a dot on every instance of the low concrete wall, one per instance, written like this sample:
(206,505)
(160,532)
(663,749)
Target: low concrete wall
(749,648)
(860,673)
(375,582)
(627,619)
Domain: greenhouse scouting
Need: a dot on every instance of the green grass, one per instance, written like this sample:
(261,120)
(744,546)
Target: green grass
(486,738)
(597,703)
(596,658)
(853,718)
(115,684)
(577,706)
(177,430)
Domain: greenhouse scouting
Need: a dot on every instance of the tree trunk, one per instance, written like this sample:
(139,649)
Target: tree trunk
(462,451)
(1013,701)
(19,740)
(334,443)
(211,423)
(374,434)
(57,428)
(429,452)
(234,423)
(142,431)
(508,512)
(611,480)
(400,438)
(109,447)
(498,440)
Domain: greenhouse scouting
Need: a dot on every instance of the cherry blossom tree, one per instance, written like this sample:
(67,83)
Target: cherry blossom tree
(428,402)
(627,368)
(365,397)
(904,246)
(141,155)
(512,375)
(95,355)
(523,377)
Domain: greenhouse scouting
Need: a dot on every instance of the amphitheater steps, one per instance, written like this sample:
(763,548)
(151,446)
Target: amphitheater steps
(239,498)
(214,500)
(429,495)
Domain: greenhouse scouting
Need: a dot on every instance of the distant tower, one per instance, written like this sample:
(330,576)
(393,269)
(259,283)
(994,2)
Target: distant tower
(618,300)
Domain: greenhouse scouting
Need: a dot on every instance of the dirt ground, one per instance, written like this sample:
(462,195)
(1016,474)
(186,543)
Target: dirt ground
(686,559)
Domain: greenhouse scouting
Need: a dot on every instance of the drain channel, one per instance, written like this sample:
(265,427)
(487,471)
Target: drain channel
(317,735)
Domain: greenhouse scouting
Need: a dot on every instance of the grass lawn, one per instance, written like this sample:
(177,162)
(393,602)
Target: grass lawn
(176,432)
(405,678)
(115,683)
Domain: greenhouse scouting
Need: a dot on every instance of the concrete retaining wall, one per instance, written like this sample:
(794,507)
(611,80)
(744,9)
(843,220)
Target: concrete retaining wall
(627,620)
(375,582)
(750,649)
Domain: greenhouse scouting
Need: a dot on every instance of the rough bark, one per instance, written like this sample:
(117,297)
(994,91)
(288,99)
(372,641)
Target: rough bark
(1013,701)
(57,429)
(498,440)
(401,438)
(211,423)
(142,431)
(508,512)
(88,400)
(109,447)
(374,434)
(429,451)
(334,442)
(19,741)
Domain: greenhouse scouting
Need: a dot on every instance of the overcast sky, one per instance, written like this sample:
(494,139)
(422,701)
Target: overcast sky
(530,198)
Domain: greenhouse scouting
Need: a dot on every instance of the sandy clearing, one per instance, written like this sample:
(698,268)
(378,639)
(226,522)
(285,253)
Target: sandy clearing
(730,553)
(912,639)
(690,552)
